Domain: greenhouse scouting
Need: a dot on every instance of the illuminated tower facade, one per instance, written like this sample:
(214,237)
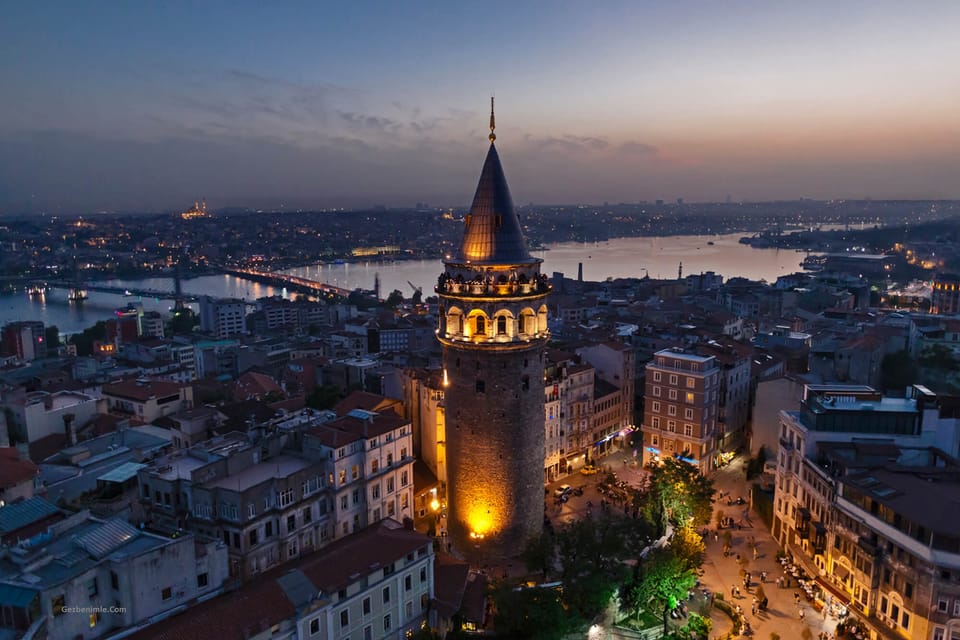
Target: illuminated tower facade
(493,329)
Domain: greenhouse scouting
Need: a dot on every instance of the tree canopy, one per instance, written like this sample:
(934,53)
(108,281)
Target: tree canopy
(681,492)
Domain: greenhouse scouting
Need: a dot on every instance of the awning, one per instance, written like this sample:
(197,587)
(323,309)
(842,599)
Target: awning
(16,597)
(840,571)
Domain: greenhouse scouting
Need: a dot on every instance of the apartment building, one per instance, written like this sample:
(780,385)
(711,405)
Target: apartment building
(222,317)
(865,500)
(369,463)
(681,407)
(733,409)
(376,584)
(265,503)
(146,399)
(84,578)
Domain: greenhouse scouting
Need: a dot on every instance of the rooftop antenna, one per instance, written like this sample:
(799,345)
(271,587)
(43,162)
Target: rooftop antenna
(493,123)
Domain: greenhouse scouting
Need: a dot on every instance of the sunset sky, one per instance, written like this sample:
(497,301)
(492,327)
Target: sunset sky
(148,106)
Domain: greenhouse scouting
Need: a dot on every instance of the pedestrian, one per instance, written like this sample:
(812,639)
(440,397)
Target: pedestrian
(753,609)
(738,592)
(801,614)
(716,536)
(754,553)
(733,589)
(778,583)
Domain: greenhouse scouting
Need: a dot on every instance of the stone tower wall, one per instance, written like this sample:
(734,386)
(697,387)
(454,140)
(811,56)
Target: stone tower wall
(495,447)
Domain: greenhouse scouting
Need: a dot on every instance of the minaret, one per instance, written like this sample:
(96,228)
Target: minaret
(493,330)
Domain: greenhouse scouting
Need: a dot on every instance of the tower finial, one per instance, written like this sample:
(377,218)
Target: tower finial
(493,123)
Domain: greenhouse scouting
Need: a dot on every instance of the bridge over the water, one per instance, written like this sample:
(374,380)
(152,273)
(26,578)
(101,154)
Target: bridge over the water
(295,283)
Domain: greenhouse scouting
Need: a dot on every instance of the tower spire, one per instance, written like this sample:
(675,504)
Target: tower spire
(493,123)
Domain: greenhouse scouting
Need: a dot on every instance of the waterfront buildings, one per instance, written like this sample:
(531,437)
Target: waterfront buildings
(493,330)
(224,318)
(24,340)
(945,297)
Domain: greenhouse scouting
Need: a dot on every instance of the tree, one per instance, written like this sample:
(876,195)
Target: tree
(84,341)
(897,371)
(530,613)
(183,321)
(325,397)
(395,299)
(538,554)
(662,580)
(684,494)
(52,336)
(687,545)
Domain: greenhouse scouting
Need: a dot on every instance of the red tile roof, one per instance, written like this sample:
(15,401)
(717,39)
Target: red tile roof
(13,470)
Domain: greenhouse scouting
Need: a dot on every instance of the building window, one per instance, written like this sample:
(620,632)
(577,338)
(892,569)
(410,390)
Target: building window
(501,325)
(656,391)
(656,376)
(655,422)
(688,430)
(423,575)
(672,426)
(655,441)
(251,510)
(404,478)
(905,621)
(691,382)
(366,606)
(374,465)
(167,593)
(673,394)
(689,397)
(390,485)
(268,530)
(386,595)
(407,583)
(253,537)
(343,502)
(671,410)
(481,387)
(114,580)
(307,515)
(688,414)
(655,407)
(344,618)
(291,522)
(343,476)
(286,497)
(202,580)
(356,496)
(673,379)
(315,626)
(386,622)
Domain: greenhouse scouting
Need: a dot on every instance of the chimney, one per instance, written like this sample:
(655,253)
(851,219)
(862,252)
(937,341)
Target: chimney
(70,430)
(579,272)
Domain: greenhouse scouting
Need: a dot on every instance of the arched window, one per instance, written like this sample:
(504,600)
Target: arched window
(501,325)
(481,326)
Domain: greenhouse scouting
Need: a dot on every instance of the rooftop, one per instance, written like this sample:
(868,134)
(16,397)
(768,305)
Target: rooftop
(281,466)
(141,391)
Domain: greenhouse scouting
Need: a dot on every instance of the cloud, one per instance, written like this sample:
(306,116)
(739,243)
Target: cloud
(637,148)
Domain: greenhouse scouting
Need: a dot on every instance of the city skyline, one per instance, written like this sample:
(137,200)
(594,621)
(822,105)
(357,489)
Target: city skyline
(147,109)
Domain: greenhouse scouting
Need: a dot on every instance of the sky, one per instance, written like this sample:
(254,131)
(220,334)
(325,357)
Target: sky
(148,106)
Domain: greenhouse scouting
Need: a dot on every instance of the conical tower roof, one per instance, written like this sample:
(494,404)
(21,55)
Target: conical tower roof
(493,234)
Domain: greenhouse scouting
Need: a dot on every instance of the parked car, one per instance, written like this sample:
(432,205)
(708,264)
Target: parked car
(562,490)
(589,470)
